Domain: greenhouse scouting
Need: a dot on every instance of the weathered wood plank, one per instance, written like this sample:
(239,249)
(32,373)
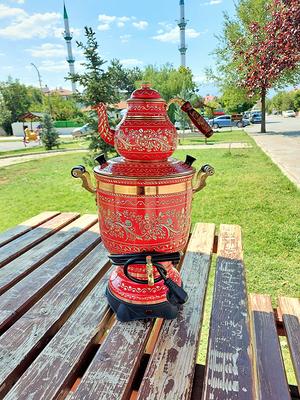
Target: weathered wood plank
(290,309)
(271,381)
(20,344)
(27,262)
(26,226)
(36,235)
(170,371)
(111,372)
(51,372)
(24,294)
(228,366)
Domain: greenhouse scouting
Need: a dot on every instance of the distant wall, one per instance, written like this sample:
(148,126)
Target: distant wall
(17,128)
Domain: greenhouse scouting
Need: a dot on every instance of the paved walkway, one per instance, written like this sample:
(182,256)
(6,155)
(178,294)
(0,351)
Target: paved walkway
(282,147)
(5,162)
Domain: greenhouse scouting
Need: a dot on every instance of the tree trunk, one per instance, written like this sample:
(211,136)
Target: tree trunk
(263,111)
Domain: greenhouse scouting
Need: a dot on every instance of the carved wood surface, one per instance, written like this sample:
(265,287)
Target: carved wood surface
(290,309)
(26,226)
(170,371)
(24,264)
(228,366)
(19,298)
(36,235)
(270,377)
(22,342)
(51,372)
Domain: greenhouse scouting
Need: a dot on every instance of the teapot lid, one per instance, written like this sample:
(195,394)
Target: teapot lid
(145,93)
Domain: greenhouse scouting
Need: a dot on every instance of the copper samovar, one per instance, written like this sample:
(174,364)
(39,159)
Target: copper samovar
(144,200)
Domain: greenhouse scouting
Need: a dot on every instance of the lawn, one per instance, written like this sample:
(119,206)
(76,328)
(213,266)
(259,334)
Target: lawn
(220,136)
(247,189)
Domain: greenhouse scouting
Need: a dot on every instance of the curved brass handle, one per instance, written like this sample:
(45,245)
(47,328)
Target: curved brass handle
(80,172)
(204,172)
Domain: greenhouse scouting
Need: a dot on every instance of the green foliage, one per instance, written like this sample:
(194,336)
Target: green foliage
(15,101)
(99,86)
(49,134)
(58,107)
(125,79)
(283,101)
(169,81)
(236,100)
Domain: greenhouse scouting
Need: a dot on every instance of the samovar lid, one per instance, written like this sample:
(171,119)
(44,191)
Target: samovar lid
(119,167)
(145,93)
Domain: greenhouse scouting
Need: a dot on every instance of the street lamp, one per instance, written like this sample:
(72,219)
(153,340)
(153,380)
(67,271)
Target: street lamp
(39,76)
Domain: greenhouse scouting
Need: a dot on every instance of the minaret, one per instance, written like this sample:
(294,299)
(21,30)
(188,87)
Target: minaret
(68,37)
(182,25)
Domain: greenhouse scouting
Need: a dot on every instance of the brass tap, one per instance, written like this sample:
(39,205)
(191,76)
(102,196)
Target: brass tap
(200,181)
(80,172)
(149,269)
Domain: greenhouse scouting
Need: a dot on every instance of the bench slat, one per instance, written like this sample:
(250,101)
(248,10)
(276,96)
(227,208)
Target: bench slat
(111,372)
(271,379)
(290,309)
(25,226)
(36,235)
(52,371)
(18,299)
(169,374)
(228,372)
(24,264)
(21,343)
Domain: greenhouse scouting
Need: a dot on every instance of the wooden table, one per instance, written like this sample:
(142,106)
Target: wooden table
(59,339)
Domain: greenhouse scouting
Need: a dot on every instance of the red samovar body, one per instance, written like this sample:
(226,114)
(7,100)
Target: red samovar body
(144,205)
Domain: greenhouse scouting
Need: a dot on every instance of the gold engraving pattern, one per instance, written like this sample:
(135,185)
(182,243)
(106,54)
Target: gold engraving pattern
(148,140)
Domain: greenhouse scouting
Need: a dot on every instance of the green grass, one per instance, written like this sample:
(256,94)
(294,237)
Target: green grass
(218,137)
(64,145)
(247,189)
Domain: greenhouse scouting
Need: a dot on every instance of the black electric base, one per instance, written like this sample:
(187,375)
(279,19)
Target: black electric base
(130,312)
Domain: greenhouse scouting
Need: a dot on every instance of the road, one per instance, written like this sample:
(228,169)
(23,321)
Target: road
(281,143)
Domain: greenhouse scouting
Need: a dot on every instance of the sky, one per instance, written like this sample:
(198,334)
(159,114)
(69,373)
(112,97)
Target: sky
(137,32)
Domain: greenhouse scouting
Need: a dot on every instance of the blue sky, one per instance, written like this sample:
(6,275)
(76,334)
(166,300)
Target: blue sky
(136,32)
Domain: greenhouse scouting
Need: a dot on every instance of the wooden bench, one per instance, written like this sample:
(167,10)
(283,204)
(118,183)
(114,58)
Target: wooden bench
(60,340)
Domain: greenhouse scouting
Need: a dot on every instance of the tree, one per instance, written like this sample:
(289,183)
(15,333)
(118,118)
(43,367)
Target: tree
(236,100)
(49,134)
(125,79)
(61,109)
(261,50)
(98,87)
(16,101)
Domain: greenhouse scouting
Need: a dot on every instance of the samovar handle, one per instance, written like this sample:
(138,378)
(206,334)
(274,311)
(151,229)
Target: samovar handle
(200,181)
(80,172)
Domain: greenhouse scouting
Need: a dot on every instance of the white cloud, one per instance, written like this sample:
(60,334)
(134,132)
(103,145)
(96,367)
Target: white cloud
(212,2)
(107,21)
(30,26)
(104,27)
(172,35)
(48,50)
(58,32)
(18,1)
(125,38)
(130,62)
(7,12)
(61,66)
(140,24)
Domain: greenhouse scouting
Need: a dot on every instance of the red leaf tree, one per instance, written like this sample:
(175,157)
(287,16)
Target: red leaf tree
(270,54)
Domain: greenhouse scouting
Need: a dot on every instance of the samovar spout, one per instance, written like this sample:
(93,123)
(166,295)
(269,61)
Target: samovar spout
(80,172)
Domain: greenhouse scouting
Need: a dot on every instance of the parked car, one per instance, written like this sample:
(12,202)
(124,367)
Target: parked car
(289,113)
(224,121)
(82,131)
(255,117)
